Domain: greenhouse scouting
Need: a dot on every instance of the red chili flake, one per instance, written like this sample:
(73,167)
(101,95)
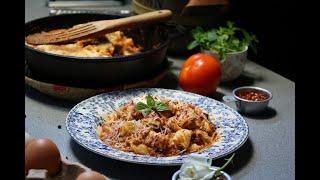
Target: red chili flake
(58,88)
(252,95)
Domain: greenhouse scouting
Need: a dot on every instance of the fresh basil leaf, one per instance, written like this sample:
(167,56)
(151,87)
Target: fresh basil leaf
(197,30)
(193,44)
(218,171)
(235,42)
(212,36)
(150,101)
(230,24)
(146,111)
(141,106)
(223,40)
(161,106)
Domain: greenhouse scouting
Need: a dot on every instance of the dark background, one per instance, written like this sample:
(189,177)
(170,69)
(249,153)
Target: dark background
(271,21)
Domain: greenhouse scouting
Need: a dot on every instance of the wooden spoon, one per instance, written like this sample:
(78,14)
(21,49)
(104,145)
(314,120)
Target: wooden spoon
(96,28)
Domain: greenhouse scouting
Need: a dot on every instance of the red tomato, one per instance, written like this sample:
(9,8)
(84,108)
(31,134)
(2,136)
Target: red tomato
(200,74)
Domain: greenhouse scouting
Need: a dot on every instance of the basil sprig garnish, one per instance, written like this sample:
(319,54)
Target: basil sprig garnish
(152,105)
(218,171)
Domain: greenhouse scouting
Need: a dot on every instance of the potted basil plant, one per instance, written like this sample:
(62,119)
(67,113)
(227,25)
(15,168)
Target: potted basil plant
(229,44)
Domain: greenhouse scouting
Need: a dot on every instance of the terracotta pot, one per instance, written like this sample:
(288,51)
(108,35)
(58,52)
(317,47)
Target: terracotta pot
(233,65)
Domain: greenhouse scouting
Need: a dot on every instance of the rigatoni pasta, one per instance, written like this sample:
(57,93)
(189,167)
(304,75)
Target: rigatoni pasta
(182,129)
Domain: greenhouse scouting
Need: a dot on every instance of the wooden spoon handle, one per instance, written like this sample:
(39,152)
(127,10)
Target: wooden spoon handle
(146,18)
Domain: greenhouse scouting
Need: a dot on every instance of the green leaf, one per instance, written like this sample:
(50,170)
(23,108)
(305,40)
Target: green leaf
(212,36)
(146,111)
(235,42)
(161,106)
(150,101)
(193,44)
(218,171)
(224,37)
(196,30)
(141,106)
(230,24)
(223,40)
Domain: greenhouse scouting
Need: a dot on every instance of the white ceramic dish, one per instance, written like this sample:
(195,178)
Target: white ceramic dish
(233,65)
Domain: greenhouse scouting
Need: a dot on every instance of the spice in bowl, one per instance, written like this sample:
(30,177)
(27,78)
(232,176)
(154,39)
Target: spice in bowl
(252,95)
(250,99)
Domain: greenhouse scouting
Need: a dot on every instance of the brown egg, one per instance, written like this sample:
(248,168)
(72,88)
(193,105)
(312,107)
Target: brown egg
(43,154)
(91,175)
(27,139)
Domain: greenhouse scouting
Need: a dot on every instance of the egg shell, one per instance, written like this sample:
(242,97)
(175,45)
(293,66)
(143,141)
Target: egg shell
(27,139)
(91,175)
(70,170)
(43,154)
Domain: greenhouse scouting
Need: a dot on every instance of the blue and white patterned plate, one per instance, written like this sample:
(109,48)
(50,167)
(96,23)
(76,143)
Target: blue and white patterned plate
(83,119)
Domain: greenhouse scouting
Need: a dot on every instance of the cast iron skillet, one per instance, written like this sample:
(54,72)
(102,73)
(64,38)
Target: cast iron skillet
(97,71)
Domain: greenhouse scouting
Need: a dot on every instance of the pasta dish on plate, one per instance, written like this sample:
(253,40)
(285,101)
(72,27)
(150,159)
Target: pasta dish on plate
(156,126)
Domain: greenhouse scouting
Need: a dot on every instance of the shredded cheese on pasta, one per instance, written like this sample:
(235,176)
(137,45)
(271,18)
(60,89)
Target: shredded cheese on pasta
(182,130)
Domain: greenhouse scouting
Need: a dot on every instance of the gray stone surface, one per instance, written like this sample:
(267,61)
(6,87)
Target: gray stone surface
(268,154)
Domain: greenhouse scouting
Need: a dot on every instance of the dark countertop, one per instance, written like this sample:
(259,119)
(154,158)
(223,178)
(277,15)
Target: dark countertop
(268,154)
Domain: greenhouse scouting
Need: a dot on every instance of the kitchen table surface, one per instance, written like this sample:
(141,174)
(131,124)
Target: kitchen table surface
(268,154)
